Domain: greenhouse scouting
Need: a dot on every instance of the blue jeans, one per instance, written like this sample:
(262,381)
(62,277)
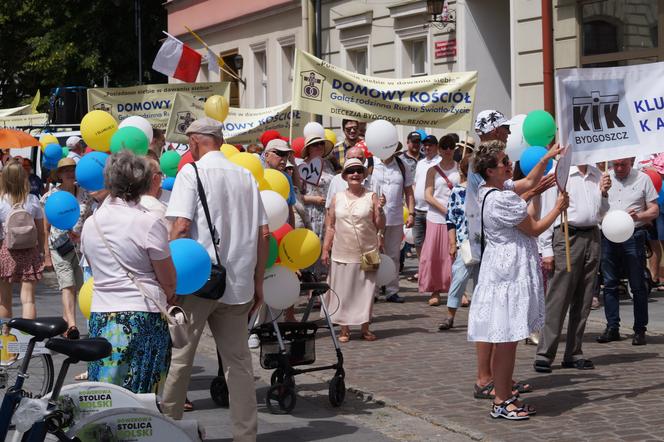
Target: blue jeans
(629,257)
(460,276)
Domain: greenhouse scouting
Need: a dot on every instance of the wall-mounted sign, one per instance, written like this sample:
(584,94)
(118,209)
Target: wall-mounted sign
(445,48)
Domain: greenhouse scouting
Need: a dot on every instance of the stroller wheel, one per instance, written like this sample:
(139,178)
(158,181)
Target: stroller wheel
(277,377)
(281,398)
(219,391)
(337,391)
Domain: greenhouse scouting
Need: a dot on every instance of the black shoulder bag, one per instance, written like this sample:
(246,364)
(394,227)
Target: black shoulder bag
(482,222)
(215,287)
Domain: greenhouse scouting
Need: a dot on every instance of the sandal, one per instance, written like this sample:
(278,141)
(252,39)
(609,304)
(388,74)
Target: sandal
(447,324)
(434,300)
(501,410)
(412,278)
(522,387)
(188,406)
(81,376)
(72,333)
(483,392)
(368,336)
(344,337)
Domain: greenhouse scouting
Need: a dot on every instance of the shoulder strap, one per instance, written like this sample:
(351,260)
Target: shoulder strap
(352,221)
(203,198)
(402,168)
(129,273)
(441,173)
(482,222)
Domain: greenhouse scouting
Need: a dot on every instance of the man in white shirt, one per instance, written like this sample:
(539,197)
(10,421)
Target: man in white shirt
(76,148)
(392,180)
(633,192)
(240,235)
(431,158)
(588,203)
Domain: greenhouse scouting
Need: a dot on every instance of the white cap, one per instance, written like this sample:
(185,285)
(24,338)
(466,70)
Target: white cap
(72,141)
(489,120)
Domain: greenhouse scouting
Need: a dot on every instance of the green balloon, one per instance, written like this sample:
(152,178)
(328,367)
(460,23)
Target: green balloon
(273,252)
(130,138)
(65,152)
(169,162)
(539,128)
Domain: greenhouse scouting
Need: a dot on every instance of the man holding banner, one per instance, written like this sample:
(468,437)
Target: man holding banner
(634,193)
(588,203)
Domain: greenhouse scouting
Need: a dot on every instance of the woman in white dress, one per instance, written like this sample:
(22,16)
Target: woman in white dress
(508,302)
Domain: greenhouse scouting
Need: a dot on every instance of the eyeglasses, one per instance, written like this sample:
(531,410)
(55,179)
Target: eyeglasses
(505,161)
(354,170)
(446,147)
(349,128)
(281,153)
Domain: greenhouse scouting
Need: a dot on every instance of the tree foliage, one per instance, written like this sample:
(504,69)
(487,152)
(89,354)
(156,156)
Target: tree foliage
(50,43)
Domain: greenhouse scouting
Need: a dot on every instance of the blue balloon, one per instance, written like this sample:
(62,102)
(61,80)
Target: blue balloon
(192,265)
(53,152)
(531,156)
(90,171)
(422,133)
(660,199)
(62,210)
(167,183)
(49,165)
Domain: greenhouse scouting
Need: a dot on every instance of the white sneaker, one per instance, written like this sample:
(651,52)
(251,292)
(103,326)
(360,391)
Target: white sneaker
(254,342)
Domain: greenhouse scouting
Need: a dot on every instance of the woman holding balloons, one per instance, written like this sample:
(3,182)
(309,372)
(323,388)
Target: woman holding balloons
(60,251)
(508,302)
(22,265)
(354,219)
(120,237)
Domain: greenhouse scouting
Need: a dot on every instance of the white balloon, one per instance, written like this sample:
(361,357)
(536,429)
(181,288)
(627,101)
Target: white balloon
(314,129)
(281,288)
(386,272)
(617,226)
(140,123)
(516,143)
(408,233)
(276,209)
(382,139)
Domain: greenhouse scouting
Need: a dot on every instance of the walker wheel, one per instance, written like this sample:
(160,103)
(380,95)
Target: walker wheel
(281,398)
(337,391)
(277,377)
(219,391)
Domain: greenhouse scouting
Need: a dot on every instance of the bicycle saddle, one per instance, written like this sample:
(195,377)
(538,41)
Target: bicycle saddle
(87,350)
(40,328)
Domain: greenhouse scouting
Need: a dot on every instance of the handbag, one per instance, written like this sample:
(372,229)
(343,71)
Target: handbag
(467,254)
(65,248)
(178,325)
(215,287)
(369,261)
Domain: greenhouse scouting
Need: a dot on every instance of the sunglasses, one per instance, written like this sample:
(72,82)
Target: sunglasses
(348,129)
(446,147)
(280,153)
(505,161)
(353,170)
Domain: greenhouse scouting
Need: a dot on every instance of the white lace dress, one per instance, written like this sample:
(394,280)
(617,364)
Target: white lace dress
(508,302)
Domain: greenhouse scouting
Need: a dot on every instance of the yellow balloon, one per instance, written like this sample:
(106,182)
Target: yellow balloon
(277,182)
(406,213)
(299,249)
(97,128)
(331,136)
(264,185)
(47,139)
(250,162)
(216,106)
(228,150)
(85,298)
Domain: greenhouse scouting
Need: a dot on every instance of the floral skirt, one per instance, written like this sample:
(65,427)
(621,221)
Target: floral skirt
(141,349)
(20,265)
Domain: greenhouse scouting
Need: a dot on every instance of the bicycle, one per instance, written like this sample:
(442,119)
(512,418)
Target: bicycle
(68,416)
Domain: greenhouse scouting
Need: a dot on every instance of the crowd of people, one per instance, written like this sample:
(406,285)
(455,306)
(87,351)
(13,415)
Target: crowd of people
(456,196)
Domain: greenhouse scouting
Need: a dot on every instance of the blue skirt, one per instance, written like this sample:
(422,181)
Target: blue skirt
(141,349)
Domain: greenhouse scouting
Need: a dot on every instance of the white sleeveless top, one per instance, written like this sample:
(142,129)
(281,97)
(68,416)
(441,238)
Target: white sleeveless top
(441,191)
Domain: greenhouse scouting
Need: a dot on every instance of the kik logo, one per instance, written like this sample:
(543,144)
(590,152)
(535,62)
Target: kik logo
(597,111)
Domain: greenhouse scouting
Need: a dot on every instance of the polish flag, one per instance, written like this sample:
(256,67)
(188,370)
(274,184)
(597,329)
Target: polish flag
(178,60)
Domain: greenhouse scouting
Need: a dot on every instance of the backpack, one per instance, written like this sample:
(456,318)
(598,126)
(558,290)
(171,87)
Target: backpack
(21,229)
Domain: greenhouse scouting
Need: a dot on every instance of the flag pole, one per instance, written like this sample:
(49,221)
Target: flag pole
(219,59)
(567,246)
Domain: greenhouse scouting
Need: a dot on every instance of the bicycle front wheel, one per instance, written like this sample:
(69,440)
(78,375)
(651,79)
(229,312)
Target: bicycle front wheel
(39,379)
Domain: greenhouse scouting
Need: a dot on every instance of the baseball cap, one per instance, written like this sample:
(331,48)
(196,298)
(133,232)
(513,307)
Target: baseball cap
(430,139)
(489,120)
(278,144)
(72,141)
(205,126)
(414,136)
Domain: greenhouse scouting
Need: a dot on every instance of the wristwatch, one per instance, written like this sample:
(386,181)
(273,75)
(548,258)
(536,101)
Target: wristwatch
(380,234)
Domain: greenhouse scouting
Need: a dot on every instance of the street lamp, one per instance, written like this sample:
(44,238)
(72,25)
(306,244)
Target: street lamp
(440,13)
(238,63)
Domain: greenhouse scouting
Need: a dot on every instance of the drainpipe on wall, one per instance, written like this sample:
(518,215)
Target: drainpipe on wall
(319,40)
(547,56)
(304,6)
